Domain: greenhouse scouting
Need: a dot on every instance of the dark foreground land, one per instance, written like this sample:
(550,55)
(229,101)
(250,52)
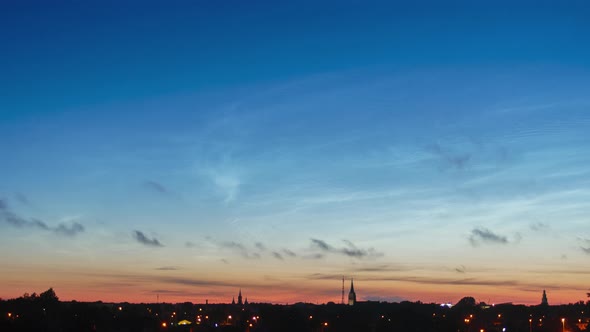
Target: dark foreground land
(46,313)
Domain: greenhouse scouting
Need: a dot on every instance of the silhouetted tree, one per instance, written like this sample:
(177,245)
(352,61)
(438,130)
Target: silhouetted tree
(467,301)
(48,296)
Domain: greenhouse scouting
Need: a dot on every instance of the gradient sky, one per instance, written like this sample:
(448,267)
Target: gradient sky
(188,150)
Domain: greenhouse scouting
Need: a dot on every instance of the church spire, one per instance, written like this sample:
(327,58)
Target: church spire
(240,297)
(351,294)
(544,301)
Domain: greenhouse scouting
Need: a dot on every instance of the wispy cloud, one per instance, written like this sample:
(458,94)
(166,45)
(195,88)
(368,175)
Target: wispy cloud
(260,246)
(453,159)
(21,198)
(289,253)
(155,187)
(141,238)
(484,235)
(227,183)
(277,255)
(69,230)
(539,226)
(442,281)
(236,247)
(167,268)
(17,221)
(350,250)
(586,246)
(313,256)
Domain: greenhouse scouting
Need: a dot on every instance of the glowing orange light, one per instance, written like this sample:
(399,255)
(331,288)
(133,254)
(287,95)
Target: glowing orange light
(229,317)
(310,317)
(326,324)
(250,324)
(120,308)
(164,324)
(10,314)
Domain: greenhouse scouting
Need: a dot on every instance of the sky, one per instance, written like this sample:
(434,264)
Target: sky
(183,151)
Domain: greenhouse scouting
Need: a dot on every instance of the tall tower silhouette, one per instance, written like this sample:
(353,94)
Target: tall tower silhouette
(342,301)
(544,301)
(351,294)
(240,297)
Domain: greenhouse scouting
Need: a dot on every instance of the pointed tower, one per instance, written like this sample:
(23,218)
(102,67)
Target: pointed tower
(233,300)
(544,301)
(351,294)
(246,301)
(240,297)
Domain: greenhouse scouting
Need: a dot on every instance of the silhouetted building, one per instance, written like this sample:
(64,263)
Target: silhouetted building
(544,301)
(240,297)
(351,294)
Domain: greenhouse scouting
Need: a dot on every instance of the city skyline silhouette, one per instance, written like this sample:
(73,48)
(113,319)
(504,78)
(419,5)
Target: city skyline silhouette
(177,152)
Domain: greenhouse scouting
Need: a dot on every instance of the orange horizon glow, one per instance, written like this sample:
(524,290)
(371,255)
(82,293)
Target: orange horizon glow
(286,297)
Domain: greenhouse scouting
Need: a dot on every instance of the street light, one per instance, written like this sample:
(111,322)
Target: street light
(530,325)
(563,324)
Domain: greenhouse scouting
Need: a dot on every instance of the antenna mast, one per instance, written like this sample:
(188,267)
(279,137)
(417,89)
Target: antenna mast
(342,301)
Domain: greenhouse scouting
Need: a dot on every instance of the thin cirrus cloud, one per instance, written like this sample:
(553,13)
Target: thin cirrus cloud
(12,219)
(455,160)
(510,283)
(155,187)
(236,247)
(143,239)
(586,246)
(167,268)
(484,235)
(539,226)
(289,253)
(350,249)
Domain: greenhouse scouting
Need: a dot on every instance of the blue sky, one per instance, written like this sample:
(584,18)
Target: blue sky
(407,146)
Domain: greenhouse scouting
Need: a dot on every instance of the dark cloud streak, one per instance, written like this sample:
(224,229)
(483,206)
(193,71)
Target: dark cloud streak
(141,238)
(484,235)
(156,187)
(350,250)
(17,221)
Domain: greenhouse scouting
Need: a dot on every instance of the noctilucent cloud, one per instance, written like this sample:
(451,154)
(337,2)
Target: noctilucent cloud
(188,150)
